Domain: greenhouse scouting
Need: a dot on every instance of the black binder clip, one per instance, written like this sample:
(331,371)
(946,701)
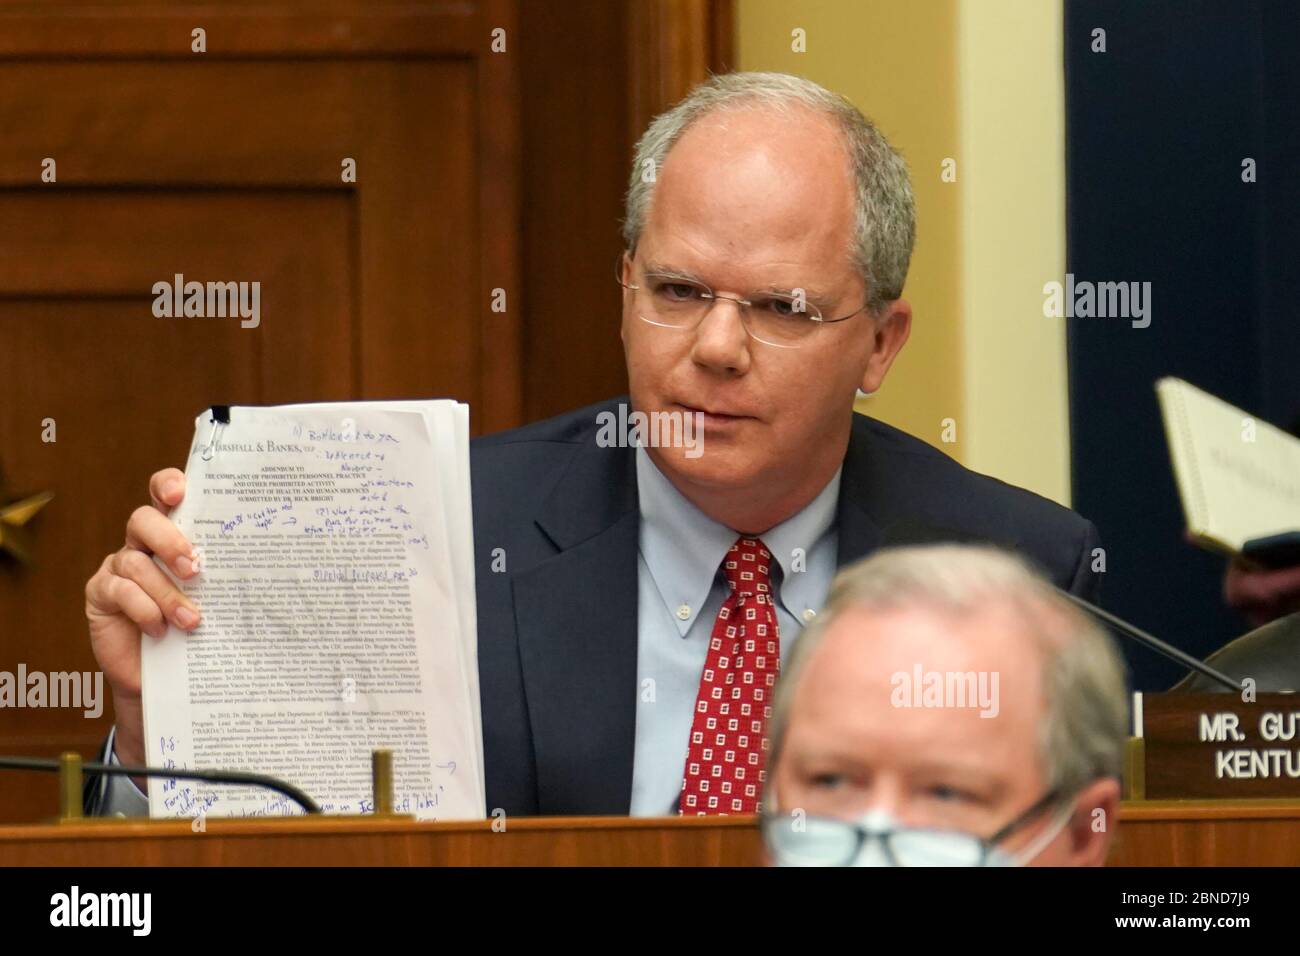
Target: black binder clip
(220,419)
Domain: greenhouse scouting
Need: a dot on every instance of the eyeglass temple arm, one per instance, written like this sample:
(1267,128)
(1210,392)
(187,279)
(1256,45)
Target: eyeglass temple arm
(1041,804)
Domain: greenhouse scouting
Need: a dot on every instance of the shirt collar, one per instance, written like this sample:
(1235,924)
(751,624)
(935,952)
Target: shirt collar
(683,547)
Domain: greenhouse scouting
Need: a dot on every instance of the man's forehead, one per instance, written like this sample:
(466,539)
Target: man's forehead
(761,158)
(848,704)
(740,192)
(867,658)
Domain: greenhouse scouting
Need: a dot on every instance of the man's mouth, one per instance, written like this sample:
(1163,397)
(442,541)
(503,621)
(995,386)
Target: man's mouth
(713,416)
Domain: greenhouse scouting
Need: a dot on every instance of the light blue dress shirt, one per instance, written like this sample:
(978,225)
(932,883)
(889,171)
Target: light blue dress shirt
(119,795)
(679,592)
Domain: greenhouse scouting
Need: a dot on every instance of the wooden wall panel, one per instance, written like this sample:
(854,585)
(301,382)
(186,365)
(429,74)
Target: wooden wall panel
(226,166)
(428,111)
(575,129)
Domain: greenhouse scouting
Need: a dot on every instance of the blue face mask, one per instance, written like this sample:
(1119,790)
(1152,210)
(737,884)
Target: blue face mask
(877,839)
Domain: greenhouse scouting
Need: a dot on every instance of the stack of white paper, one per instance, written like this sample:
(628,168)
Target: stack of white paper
(1238,476)
(337,594)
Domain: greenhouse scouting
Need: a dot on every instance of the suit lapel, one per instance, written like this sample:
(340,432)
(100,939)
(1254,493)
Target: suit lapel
(859,533)
(576,619)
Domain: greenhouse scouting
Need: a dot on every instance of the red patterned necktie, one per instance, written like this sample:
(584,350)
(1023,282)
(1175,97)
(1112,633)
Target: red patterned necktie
(727,757)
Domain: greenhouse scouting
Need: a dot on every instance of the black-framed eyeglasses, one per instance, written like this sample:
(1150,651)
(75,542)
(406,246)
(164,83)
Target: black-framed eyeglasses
(783,318)
(826,841)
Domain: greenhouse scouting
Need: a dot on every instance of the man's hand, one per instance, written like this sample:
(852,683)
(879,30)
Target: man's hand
(129,595)
(1261,594)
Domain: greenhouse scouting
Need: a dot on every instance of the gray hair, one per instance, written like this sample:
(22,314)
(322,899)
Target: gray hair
(885,214)
(1082,736)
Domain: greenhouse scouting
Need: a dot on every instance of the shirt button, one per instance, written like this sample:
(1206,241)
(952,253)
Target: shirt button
(808,615)
(684,612)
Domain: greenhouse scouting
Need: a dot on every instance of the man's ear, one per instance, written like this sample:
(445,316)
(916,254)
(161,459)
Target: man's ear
(891,330)
(1091,829)
(624,275)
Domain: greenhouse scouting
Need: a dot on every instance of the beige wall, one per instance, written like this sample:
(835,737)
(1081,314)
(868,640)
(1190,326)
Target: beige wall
(977,81)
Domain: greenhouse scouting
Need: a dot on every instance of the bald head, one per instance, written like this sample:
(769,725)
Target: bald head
(760,170)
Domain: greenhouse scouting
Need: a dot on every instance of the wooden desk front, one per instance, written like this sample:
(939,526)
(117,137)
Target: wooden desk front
(1151,833)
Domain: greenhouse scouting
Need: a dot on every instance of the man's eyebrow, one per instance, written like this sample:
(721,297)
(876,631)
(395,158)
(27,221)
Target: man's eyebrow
(968,768)
(658,268)
(811,294)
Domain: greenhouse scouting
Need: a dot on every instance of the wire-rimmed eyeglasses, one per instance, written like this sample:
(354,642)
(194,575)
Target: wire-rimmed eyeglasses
(785,319)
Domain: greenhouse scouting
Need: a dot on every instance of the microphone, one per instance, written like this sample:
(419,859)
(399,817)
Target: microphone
(171,773)
(905,532)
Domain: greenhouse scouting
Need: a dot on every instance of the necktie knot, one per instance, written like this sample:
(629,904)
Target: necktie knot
(747,568)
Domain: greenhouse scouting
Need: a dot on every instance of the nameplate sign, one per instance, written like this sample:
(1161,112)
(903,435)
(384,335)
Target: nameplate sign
(1217,745)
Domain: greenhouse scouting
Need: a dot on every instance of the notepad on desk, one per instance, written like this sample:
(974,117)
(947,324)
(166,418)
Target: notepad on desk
(1238,476)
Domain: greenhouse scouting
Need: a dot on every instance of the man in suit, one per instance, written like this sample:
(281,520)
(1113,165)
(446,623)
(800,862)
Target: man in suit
(627,592)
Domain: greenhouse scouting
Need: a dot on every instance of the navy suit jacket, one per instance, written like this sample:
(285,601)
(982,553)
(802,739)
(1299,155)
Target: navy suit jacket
(557,628)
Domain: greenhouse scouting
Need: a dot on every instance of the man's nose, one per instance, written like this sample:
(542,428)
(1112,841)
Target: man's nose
(721,342)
